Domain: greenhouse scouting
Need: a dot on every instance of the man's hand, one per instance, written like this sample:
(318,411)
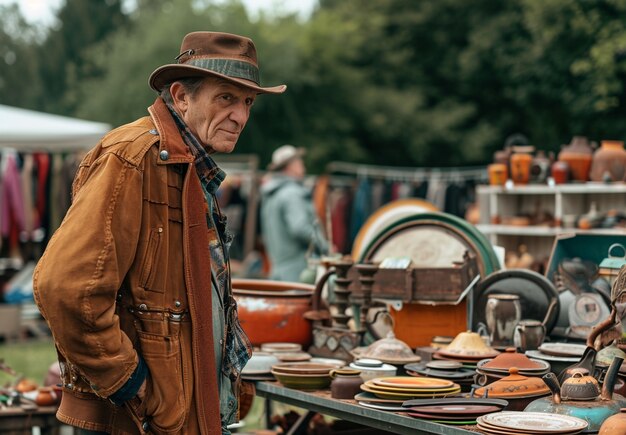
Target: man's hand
(141,393)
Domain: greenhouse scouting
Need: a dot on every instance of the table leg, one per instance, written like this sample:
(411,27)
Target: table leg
(300,427)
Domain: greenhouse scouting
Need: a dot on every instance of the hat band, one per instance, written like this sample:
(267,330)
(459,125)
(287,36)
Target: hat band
(228,67)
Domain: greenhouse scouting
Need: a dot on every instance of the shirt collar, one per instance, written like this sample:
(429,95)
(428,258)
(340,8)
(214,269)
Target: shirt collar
(210,174)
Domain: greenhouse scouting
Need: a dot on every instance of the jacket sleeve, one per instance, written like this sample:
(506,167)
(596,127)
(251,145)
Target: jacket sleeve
(300,219)
(78,277)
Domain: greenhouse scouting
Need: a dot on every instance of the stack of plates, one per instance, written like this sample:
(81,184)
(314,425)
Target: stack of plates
(518,423)
(409,387)
(452,414)
(449,370)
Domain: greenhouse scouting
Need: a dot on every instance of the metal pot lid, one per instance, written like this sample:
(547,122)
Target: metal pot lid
(390,350)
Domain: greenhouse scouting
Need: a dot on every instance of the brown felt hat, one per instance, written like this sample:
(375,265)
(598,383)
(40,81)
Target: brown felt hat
(203,54)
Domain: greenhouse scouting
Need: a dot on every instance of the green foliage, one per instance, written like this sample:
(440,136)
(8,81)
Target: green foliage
(394,82)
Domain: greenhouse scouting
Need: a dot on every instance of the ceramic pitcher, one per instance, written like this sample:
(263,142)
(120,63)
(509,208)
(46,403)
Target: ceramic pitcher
(502,313)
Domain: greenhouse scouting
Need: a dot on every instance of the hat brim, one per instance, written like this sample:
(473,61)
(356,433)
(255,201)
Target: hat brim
(300,152)
(169,73)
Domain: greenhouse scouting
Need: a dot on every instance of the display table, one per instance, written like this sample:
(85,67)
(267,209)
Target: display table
(20,421)
(321,402)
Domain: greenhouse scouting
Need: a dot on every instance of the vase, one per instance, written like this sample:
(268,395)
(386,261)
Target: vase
(521,161)
(609,162)
(578,156)
(498,174)
(502,314)
(560,172)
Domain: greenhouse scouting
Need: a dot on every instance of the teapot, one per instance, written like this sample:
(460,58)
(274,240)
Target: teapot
(580,396)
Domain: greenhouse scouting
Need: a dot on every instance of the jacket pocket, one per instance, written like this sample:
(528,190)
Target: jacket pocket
(164,404)
(148,268)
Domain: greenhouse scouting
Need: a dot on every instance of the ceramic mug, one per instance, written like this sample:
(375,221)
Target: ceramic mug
(529,334)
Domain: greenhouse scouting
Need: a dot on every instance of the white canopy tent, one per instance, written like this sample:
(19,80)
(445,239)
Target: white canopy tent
(27,130)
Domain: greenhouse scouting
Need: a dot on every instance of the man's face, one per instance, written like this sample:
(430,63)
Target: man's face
(217,113)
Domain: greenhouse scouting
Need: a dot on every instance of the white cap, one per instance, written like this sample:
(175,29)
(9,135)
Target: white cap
(283,155)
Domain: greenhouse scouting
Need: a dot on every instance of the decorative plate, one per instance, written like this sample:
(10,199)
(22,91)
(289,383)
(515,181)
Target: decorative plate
(536,422)
(411,382)
(563,349)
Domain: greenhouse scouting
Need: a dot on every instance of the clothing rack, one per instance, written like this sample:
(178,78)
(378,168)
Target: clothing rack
(246,165)
(415,174)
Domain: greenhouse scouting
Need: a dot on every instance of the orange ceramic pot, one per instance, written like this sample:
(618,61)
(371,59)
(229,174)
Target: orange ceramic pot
(273,311)
(615,424)
(578,155)
(498,174)
(520,162)
(609,162)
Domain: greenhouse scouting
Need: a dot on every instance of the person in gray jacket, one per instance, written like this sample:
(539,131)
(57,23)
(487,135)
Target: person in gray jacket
(289,226)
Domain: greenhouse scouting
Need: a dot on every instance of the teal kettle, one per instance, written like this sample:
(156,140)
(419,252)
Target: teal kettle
(580,396)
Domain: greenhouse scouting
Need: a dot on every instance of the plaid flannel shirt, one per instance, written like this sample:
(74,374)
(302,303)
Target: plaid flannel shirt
(238,349)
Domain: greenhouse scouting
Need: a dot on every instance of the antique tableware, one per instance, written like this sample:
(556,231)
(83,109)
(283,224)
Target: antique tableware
(371,368)
(519,390)
(531,422)
(502,314)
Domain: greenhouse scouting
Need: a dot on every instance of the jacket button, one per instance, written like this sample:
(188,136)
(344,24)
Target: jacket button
(177,304)
(142,307)
(154,131)
(145,426)
(164,155)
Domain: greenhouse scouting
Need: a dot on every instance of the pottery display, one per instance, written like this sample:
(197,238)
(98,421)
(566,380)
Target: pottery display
(511,422)
(273,311)
(388,350)
(408,391)
(498,174)
(578,155)
(529,335)
(540,167)
(467,345)
(560,172)
(579,396)
(372,368)
(345,384)
(520,163)
(609,162)
(614,424)
(502,314)
(259,363)
(46,397)
(518,389)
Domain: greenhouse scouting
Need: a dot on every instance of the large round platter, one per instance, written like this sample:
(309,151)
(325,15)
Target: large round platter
(537,422)
(423,370)
(536,354)
(385,394)
(382,406)
(426,249)
(502,403)
(385,216)
(366,396)
(535,293)
(457,410)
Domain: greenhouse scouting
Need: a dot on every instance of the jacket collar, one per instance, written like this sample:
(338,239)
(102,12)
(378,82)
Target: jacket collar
(171,144)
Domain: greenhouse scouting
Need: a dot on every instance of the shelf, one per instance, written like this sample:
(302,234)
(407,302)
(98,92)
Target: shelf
(512,230)
(541,189)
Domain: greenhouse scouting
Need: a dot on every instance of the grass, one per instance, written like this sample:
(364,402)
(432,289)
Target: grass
(30,358)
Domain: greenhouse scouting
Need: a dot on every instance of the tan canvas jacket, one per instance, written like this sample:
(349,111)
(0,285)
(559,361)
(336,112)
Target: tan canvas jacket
(128,271)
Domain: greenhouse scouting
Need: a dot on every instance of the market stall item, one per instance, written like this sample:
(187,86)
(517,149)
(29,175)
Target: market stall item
(467,346)
(385,216)
(507,422)
(609,162)
(539,298)
(529,334)
(502,314)
(373,368)
(273,311)
(303,375)
(578,154)
(388,350)
(409,392)
(580,396)
(520,163)
(614,424)
(459,374)
(519,390)
(345,384)
(260,363)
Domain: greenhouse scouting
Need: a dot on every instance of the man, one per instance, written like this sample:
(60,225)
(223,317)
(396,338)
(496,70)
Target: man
(288,222)
(135,284)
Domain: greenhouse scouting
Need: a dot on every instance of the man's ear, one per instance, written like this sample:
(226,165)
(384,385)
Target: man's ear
(179,96)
